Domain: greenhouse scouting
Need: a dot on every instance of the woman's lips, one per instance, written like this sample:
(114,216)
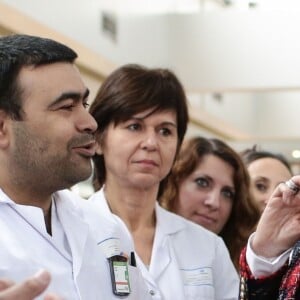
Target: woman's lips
(205,218)
(147,162)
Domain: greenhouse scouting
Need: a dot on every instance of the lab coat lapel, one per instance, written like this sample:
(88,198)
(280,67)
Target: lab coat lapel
(161,255)
(116,227)
(74,227)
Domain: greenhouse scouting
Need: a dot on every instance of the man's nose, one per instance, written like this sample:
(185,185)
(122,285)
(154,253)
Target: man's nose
(86,122)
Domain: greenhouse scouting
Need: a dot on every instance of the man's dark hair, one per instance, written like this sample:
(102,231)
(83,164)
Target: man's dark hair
(18,51)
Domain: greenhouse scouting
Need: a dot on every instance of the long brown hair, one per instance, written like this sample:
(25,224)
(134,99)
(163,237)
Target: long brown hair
(244,214)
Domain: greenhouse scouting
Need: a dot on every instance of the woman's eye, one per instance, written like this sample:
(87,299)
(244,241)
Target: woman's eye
(261,187)
(165,131)
(134,127)
(202,182)
(228,194)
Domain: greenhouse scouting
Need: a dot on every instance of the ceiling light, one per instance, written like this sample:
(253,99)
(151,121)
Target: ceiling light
(296,153)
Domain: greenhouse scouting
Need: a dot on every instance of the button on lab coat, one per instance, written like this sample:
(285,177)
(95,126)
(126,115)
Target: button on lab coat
(188,262)
(26,248)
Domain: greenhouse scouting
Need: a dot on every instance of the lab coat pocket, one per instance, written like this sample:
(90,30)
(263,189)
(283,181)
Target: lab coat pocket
(199,292)
(198,283)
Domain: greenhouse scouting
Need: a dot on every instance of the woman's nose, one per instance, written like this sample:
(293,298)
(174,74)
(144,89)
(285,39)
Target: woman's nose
(150,141)
(212,200)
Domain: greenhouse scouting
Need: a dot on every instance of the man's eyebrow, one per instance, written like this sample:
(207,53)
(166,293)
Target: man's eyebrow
(71,95)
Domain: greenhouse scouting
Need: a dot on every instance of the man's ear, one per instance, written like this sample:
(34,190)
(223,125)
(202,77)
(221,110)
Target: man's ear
(5,123)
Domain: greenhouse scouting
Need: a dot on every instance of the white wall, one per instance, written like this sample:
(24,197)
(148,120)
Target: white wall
(279,112)
(233,49)
(212,51)
(215,50)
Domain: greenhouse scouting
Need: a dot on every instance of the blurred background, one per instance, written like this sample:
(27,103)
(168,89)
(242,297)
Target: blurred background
(239,61)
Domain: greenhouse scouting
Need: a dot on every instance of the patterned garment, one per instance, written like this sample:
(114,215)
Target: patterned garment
(282,285)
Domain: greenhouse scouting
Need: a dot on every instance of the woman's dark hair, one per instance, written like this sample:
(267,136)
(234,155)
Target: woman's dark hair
(252,154)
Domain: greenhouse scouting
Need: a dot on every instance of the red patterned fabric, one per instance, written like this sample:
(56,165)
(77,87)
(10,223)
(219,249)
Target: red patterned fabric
(282,285)
(291,280)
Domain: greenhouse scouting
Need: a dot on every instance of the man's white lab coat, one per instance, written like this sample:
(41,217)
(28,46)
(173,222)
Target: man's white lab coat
(80,273)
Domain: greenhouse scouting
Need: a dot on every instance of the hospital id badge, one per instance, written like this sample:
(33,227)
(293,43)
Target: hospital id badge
(119,275)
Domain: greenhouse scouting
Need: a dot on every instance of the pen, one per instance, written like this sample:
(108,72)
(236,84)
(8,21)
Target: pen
(132,259)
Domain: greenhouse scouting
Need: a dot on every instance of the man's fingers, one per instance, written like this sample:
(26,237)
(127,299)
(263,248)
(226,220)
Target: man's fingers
(28,289)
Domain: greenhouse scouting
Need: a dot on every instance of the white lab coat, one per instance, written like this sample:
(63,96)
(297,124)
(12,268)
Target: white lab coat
(188,262)
(25,247)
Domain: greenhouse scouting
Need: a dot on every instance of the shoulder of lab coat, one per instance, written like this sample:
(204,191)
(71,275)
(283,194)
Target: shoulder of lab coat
(114,224)
(89,212)
(102,223)
(87,274)
(193,244)
(173,224)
